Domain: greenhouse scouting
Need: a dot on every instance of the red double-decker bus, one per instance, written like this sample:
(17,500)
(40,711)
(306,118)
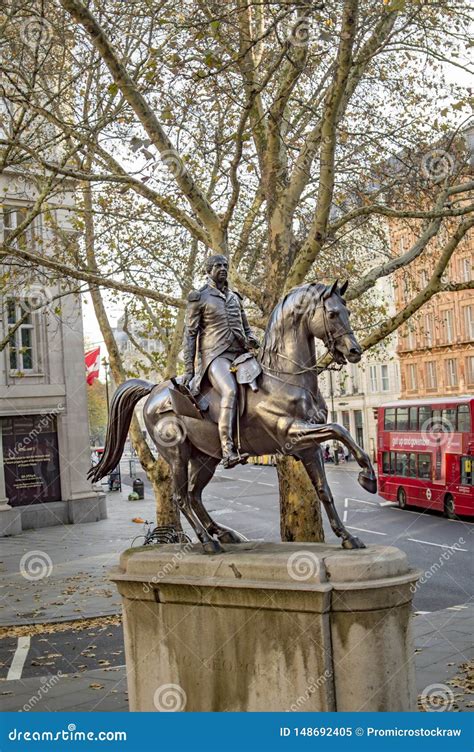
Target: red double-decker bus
(425,454)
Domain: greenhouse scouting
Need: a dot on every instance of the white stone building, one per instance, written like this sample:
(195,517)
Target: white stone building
(44,437)
(354,393)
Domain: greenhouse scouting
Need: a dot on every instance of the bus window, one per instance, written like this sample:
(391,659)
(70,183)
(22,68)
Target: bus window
(386,463)
(436,420)
(402,464)
(412,465)
(424,466)
(413,419)
(389,419)
(464,419)
(424,415)
(402,419)
(466,471)
(448,420)
(392,462)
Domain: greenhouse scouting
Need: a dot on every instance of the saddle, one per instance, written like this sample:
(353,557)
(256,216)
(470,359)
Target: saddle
(246,368)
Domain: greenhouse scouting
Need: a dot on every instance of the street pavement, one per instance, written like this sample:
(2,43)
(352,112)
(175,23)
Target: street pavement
(81,666)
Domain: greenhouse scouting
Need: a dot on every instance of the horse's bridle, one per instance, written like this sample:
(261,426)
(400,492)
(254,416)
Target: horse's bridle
(330,349)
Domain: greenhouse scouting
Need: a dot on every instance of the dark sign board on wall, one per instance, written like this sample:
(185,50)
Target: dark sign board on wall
(31,459)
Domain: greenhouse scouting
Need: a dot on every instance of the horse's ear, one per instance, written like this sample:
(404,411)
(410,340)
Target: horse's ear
(344,287)
(331,290)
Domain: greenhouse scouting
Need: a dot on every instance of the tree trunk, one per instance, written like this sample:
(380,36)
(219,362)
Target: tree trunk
(300,508)
(157,471)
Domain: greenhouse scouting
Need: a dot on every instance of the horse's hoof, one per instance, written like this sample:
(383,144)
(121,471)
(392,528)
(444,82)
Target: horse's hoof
(228,536)
(368,482)
(212,547)
(353,542)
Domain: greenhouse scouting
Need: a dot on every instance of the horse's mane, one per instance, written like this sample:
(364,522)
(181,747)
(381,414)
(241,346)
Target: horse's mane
(287,315)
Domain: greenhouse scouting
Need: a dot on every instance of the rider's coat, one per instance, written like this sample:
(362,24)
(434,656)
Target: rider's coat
(216,325)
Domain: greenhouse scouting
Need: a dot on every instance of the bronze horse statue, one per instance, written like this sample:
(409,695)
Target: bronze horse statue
(287,413)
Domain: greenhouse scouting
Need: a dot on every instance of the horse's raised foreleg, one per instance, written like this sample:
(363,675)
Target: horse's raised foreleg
(303,435)
(201,470)
(178,457)
(313,461)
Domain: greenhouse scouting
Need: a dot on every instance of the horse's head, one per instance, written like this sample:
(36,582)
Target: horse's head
(330,323)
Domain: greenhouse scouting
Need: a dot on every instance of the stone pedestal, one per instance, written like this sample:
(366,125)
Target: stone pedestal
(267,627)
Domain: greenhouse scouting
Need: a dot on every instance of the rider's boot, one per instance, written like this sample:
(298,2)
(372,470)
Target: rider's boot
(230,456)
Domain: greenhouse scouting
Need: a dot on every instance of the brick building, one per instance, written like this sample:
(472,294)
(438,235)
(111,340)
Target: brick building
(435,347)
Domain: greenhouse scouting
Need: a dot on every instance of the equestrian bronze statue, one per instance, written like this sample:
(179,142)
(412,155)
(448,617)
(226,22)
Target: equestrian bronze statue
(279,407)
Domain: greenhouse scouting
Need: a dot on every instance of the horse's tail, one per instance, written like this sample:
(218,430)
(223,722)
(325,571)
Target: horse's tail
(120,416)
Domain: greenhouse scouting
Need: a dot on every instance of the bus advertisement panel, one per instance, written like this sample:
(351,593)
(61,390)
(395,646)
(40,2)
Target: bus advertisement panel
(425,454)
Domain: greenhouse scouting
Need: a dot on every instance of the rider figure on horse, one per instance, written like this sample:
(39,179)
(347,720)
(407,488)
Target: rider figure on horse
(218,329)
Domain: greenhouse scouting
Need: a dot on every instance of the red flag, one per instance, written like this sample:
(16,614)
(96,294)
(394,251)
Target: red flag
(92,359)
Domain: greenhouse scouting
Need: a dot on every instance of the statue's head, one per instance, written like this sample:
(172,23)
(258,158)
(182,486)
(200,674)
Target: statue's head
(330,323)
(217,267)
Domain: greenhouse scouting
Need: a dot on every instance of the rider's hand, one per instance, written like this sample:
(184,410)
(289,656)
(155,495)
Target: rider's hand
(253,342)
(187,378)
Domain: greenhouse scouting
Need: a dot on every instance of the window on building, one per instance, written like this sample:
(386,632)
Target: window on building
(424,277)
(359,427)
(12,217)
(411,377)
(385,379)
(448,326)
(469,322)
(429,330)
(342,383)
(466,269)
(451,367)
(374,384)
(21,352)
(411,339)
(355,379)
(346,421)
(431,375)
(470,369)
(406,289)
